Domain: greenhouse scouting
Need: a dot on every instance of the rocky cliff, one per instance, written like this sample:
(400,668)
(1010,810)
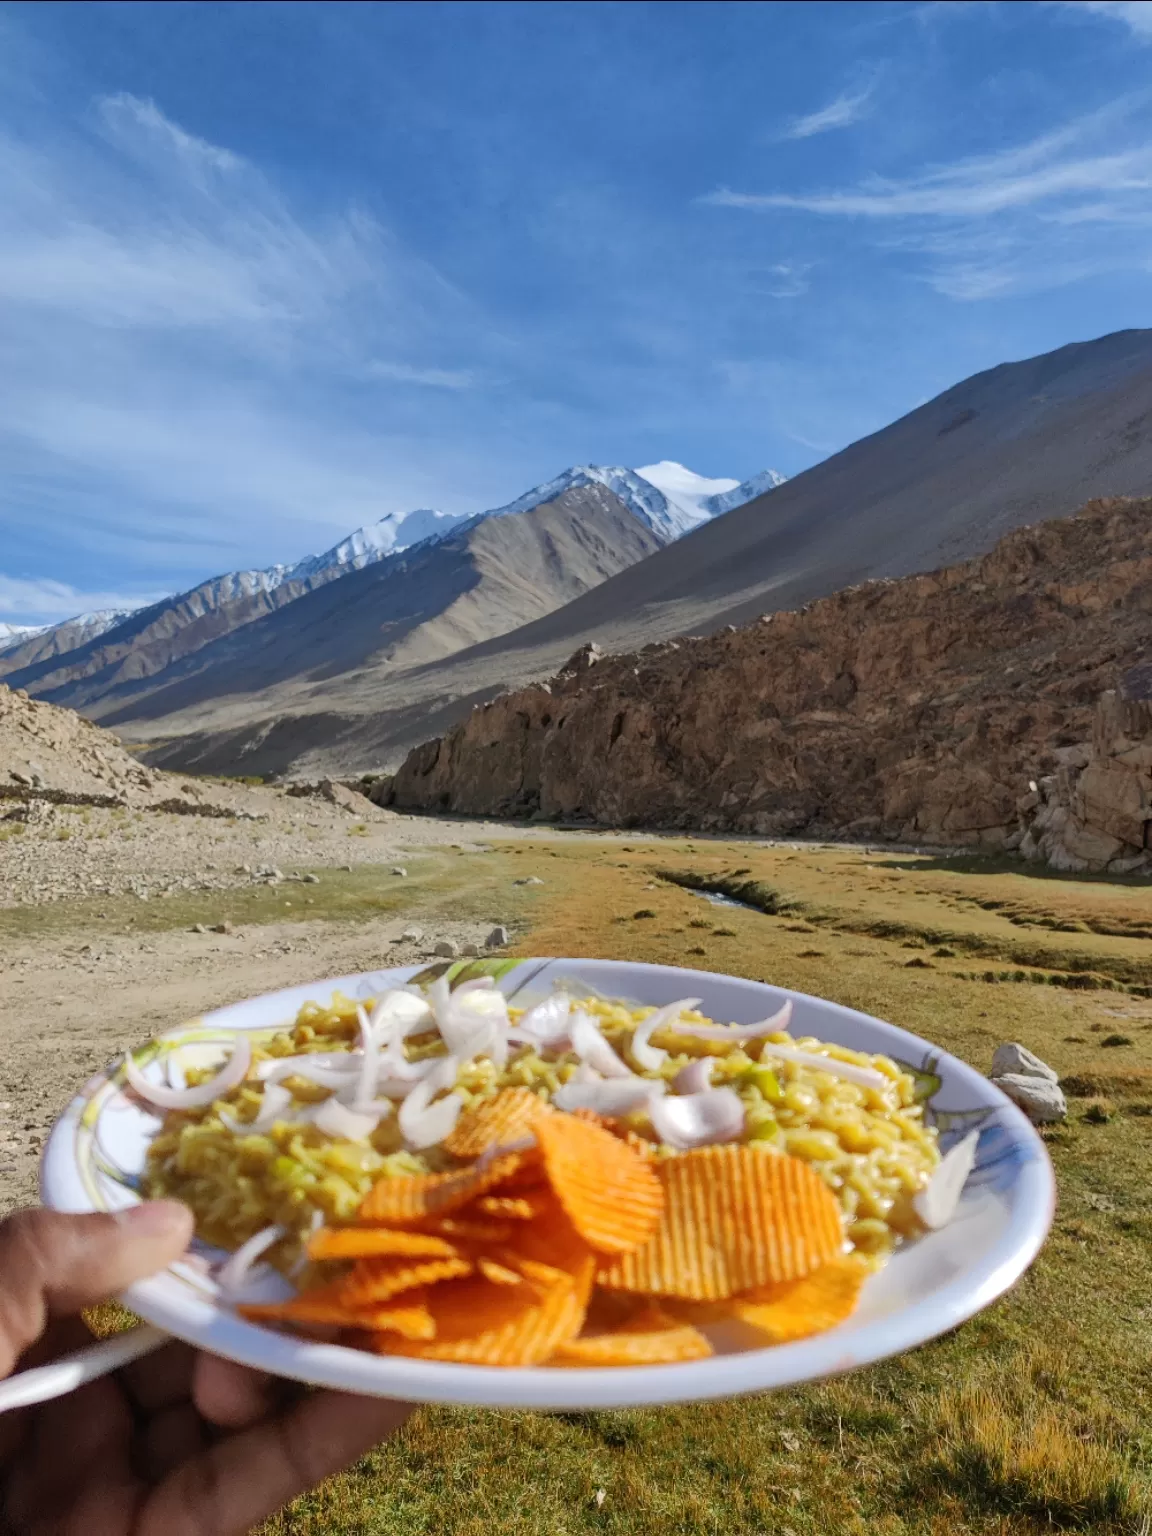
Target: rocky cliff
(916,709)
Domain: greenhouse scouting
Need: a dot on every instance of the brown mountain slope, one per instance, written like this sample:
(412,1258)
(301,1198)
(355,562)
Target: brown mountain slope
(143,645)
(405,611)
(916,709)
(1025,440)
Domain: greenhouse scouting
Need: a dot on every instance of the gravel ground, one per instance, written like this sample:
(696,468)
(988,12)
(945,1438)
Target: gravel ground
(64,852)
(72,999)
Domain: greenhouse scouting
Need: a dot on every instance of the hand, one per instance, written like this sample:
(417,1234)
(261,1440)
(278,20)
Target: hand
(174,1444)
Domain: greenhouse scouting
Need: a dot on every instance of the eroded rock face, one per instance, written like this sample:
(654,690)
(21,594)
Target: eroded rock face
(1094,813)
(916,709)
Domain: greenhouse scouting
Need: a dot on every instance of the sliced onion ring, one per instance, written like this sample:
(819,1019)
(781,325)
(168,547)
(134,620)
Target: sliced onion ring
(698,1119)
(696,1077)
(342,1123)
(273,1104)
(547,1023)
(776,1023)
(273,1070)
(230,1076)
(936,1203)
(234,1271)
(592,1048)
(423,1123)
(863,1077)
(611,1096)
(646,1056)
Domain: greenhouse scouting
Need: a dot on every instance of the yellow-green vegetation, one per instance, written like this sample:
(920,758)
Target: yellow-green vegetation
(1036,1416)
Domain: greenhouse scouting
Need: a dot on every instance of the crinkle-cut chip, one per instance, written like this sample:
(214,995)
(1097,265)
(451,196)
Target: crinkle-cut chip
(551,1241)
(498,1273)
(402,1200)
(495,1122)
(612,1196)
(470,1327)
(619,1128)
(367,1242)
(409,1317)
(323,1304)
(468,1229)
(797,1309)
(735,1217)
(511,1207)
(373,1281)
(650,1337)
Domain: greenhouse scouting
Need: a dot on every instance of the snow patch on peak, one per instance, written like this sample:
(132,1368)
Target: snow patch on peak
(747,490)
(393,534)
(685,491)
(16,634)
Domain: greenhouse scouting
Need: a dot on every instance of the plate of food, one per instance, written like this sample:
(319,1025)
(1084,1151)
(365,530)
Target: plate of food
(557,1183)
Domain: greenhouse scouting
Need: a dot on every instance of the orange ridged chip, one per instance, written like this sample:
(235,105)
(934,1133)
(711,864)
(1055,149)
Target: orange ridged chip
(409,1317)
(401,1199)
(499,1325)
(468,1229)
(734,1217)
(373,1281)
(619,1128)
(797,1309)
(366,1242)
(611,1195)
(322,1304)
(506,1117)
(511,1207)
(498,1273)
(651,1337)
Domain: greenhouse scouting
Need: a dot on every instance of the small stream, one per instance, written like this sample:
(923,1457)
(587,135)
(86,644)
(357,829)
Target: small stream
(718,899)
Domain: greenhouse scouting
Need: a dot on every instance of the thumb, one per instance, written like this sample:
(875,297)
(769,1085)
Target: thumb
(52,1264)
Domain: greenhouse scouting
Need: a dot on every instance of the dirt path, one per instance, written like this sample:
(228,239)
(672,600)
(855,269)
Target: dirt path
(65,1013)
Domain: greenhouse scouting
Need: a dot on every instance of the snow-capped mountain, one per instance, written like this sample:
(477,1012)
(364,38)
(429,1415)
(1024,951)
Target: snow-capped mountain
(14,634)
(82,628)
(666,497)
(728,501)
(390,536)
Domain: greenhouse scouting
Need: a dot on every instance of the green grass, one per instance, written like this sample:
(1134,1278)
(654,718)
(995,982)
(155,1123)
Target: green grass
(1033,1418)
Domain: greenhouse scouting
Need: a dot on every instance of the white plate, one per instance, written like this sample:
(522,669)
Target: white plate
(97,1149)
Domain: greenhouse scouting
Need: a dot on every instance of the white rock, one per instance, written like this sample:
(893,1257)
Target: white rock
(1040,1099)
(1019,1060)
(399,869)
(412,935)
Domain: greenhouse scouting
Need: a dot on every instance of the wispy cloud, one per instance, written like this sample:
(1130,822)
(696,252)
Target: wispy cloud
(1018,218)
(205,360)
(1135,14)
(434,378)
(787,279)
(46,602)
(848,108)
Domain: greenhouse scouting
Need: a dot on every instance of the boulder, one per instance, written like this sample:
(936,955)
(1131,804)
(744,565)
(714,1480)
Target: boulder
(497,939)
(1042,1101)
(1020,1061)
(446,950)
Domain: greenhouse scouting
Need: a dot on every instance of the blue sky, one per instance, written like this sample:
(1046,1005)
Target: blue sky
(268,272)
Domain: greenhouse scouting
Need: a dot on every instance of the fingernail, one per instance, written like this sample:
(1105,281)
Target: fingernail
(156,1218)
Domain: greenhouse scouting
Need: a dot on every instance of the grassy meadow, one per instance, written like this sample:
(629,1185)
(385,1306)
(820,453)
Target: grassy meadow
(1034,1417)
